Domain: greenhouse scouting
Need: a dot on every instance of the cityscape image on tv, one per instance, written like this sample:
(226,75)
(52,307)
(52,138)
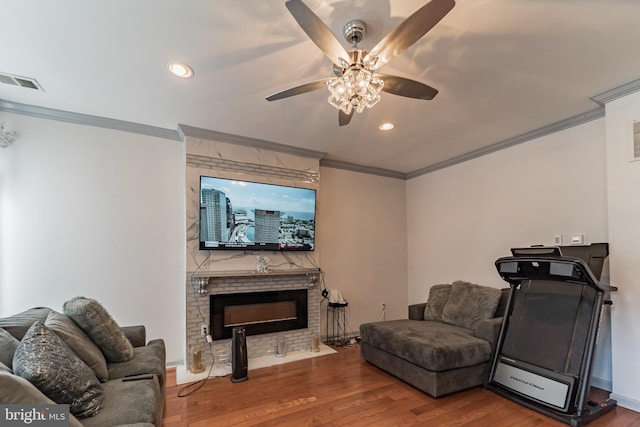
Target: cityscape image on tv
(248,215)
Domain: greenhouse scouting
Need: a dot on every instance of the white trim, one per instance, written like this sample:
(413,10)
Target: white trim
(185,130)
(626,402)
(602,383)
(86,119)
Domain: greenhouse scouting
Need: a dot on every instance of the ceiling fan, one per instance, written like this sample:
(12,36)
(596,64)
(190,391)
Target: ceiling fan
(356,84)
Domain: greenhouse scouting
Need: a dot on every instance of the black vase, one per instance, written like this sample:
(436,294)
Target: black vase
(239,362)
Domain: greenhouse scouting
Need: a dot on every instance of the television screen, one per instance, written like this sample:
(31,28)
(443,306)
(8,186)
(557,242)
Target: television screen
(238,214)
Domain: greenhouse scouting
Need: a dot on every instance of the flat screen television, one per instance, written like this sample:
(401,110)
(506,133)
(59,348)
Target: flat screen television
(246,215)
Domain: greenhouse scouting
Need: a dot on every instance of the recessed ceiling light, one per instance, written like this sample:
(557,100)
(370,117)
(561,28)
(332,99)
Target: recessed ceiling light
(180,69)
(387,126)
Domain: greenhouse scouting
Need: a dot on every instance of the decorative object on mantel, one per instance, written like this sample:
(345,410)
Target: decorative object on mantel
(6,136)
(262,264)
(201,283)
(312,279)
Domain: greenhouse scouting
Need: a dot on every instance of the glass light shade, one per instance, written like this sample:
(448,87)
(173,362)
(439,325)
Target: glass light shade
(357,89)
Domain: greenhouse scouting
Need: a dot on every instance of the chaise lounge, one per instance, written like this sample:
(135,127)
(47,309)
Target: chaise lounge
(446,344)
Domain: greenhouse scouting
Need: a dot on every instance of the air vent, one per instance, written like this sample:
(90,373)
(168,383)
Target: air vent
(636,140)
(27,82)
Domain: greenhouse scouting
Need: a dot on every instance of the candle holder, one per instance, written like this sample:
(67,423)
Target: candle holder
(315,342)
(197,363)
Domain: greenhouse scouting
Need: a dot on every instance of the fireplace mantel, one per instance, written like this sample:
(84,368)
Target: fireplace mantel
(254,273)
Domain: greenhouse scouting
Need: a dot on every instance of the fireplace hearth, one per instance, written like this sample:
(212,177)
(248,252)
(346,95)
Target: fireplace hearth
(258,312)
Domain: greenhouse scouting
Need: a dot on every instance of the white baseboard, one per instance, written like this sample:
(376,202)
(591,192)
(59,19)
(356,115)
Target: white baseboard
(601,383)
(626,402)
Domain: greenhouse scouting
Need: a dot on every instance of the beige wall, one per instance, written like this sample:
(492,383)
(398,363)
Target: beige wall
(462,218)
(624,231)
(94,212)
(362,232)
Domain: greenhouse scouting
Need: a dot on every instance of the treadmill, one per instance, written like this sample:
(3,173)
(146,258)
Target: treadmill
(547,339)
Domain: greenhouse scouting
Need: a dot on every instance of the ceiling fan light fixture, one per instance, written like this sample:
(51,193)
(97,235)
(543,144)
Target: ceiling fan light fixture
(357,88)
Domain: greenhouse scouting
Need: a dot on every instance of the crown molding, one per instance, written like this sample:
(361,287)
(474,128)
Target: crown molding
(212,135)
(353,167)
(501,145)
(184,131)
(617,92)
(86,119)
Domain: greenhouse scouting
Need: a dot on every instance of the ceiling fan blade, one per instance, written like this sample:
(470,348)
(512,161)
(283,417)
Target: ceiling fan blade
(307,87)
(406,87)
(343,118)
(317,31)
(410,31)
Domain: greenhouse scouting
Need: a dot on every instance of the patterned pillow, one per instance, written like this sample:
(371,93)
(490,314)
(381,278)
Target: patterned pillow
(96,322)
(79,342)
(438,297)
(48,363)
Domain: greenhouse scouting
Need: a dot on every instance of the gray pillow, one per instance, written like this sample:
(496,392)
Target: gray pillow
(79,342)
(469,303)
(48,363)
(98,324)
(438,297)
(18,324)
(8,346)
(17,390)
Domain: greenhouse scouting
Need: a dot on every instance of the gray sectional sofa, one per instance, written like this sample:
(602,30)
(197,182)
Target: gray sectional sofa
(446,344)
(83,358)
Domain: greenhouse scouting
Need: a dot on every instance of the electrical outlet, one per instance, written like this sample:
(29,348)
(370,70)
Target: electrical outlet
(204,330)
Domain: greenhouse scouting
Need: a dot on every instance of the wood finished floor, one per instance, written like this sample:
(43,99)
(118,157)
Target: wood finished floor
(343,390)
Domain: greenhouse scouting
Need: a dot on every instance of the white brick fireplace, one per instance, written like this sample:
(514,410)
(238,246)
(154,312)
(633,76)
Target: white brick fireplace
(229,272)
(257,345)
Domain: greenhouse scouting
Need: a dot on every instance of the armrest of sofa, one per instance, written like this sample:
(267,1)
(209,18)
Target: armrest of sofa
(416,311)
(488,330)
(137,335)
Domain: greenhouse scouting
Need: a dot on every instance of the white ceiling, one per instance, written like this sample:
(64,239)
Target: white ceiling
(503,68)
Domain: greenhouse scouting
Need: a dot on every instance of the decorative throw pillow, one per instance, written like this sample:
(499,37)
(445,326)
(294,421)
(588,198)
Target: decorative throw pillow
(18,324)
(98,324)
(8,346)
(48,363)
(79,342)
(469,303)
(438,297)
(17,390)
